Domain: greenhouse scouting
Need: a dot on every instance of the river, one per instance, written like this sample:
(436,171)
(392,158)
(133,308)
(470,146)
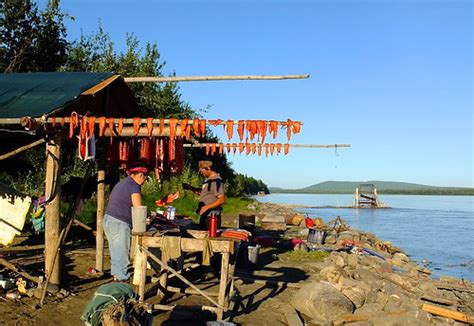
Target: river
(439,229)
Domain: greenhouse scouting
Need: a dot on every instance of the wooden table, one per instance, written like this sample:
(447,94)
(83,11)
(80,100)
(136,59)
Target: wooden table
(224,247)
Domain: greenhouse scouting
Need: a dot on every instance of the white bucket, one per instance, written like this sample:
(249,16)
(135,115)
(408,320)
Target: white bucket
(139,218)
(254,252)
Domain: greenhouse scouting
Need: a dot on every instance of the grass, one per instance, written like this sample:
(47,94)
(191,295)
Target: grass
(304,256)
(185,205)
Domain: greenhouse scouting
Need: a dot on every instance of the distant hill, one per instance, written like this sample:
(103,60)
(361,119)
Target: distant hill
(383,187)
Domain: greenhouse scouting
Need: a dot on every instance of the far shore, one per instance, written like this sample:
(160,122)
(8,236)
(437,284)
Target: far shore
(408,193)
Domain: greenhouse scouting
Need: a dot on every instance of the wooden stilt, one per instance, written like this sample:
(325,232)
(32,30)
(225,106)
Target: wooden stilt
(99,237)
(139,276)
(223,285)
(53,209)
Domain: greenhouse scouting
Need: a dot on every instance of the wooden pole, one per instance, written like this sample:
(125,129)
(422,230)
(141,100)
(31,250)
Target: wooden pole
(99,236)
(12,267)
(208,78)
(53,210)
(222,297)
(456,315)
(291,145)
(21,149)
(126,121)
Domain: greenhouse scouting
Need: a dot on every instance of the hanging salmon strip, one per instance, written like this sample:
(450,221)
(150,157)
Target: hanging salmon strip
(187,132)
(228,148)
(172,149)
(91,125)
(278,146)
(241,129)
(213,148)
(252,129)
(234,148)
(262,130)
(208,149)
(83,128)
(173,124)
(272,148)
(183,124)
(53,121)
(215,122)
(136,126)
(287,148)
(149,125)
(241,147)
(161,127)
(63,121)
(229,128)
(102,125)
(111,126)
(289,126)
(202,127)
(248,148)
(120,126)
(196,127)
(254,148)
(221,149)
(267,149)
(72,123)
(273,126)
(296,127)
(259,149)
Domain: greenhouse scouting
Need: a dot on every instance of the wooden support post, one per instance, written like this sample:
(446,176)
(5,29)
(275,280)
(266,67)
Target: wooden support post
(223,285)
(99,237)
(53,209)
(139,275)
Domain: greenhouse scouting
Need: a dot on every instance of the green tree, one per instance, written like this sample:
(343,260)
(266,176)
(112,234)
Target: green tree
(31,41)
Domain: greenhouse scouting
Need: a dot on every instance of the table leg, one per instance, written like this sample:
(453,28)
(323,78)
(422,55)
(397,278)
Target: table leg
(139,275)
(223,284)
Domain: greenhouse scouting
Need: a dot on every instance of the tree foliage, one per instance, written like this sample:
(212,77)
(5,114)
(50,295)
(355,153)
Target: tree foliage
(31,41)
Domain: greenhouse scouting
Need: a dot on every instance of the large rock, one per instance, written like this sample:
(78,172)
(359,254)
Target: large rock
(322,301)
(355,291)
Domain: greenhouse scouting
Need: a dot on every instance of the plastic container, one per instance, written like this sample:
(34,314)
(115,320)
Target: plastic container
(316,236)
(139,214)
(212,226)
(254,252)
(171,213)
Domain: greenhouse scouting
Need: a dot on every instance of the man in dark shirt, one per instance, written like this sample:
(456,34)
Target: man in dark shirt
(118,219)
(211,197)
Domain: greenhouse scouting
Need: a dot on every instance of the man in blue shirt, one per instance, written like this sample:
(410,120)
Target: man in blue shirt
(118,219)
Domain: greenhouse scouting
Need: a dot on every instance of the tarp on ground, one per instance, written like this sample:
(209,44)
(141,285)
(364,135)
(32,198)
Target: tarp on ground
(60,93)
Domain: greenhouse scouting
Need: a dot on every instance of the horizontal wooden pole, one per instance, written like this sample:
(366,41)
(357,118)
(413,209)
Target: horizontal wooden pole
(21,149)
(191,245)
(154,79)
(189,291)
(158,306)
(143,132)
(129,121)
(291,145)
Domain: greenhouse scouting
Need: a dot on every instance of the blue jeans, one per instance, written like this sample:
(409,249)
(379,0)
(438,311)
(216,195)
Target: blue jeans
(118,236)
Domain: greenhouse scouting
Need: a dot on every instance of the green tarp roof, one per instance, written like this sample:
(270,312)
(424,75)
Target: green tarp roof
(34,94)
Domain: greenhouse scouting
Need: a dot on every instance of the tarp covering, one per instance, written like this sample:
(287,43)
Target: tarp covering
(36,94)
(14,207)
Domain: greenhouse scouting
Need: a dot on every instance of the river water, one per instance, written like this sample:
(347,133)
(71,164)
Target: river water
(439,229)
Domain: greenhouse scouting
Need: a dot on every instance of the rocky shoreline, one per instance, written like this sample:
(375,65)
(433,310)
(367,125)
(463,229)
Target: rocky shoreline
(367,281)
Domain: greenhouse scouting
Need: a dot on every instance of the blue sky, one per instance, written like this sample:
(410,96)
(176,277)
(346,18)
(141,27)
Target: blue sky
(391,78)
